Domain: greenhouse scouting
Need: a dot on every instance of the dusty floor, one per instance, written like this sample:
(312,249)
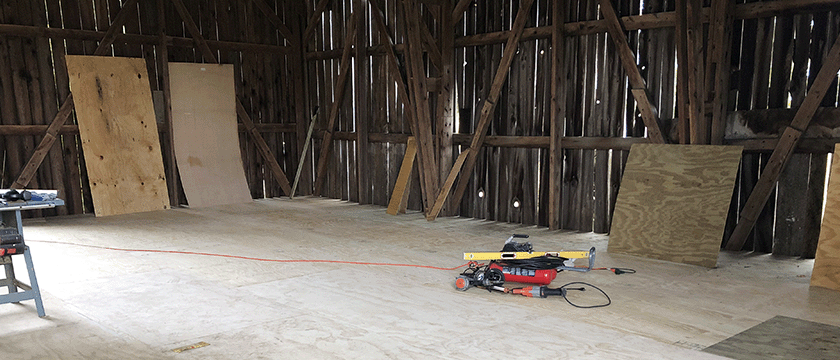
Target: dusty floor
(107,304)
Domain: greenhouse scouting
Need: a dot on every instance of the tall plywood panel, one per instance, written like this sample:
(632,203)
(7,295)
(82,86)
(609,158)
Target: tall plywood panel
(206,135)
(827,263)
(673,202)
(119,135)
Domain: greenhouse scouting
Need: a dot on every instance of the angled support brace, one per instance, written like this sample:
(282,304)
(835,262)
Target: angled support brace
(637,82)
(67,107)
(787,143)
(341,87)
(489,105)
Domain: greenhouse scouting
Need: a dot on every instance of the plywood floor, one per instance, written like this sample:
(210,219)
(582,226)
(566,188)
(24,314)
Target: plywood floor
(105,304)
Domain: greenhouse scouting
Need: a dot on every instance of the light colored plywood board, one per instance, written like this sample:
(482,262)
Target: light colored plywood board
(119,134)
(673,202)
(827,262)
(205,134)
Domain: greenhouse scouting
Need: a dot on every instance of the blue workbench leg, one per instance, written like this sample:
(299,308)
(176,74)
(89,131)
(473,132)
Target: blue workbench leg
(33,282)
(10,274)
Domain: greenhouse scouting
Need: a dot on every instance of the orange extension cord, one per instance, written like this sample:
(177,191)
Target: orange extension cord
(246,257)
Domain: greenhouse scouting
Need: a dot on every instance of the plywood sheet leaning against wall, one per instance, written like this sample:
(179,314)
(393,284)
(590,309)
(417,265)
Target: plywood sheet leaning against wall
(673,202)
(827,262)
(119,134)
(206,135)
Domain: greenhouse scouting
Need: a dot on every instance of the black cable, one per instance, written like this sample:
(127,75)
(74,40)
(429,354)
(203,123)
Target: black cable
(536,263)
(565,288)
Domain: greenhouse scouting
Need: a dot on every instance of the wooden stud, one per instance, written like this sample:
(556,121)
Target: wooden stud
(362,86)
(417,80)
(341,85)
(445,113)
(200,42)
(558,116)
(694,67)
(490,101)
(637,82)
(785,147)
(717,66)
(172,174)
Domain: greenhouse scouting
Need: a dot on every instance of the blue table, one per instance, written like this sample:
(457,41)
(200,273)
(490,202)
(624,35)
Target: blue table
(11,231)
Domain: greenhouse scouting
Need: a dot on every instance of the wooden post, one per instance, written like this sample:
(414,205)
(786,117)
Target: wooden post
(163,61)
(637,82)
(341,87)
(362,85)
(417,80)
(784,149)
(301,88)
(445,113)
(717,66)
(558,115)
(694,67)
(490,102)
(458,11)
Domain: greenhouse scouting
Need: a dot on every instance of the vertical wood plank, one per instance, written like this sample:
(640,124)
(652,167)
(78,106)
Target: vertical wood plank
(362,85)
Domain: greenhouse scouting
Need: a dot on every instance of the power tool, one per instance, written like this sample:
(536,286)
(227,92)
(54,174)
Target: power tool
(518,262)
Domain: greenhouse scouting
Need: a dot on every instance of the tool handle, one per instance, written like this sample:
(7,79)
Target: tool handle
(546,292)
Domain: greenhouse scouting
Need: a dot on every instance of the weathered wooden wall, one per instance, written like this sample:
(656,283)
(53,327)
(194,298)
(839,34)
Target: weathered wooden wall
(769,57)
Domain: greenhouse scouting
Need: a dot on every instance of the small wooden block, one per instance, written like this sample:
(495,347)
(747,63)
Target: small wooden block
(399,198)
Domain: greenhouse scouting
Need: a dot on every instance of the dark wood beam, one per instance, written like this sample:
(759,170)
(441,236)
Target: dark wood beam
(787,143)
(262,146)
(718,66)
(694,68)
(200,42)
(446,105)
(362,86)
(341,87)
(309,32)
(459,10)
(427,165)
(274,19)
(402,90)
(558,116)
(163,62)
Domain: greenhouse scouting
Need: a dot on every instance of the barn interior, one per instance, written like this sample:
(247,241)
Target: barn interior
(220,179)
